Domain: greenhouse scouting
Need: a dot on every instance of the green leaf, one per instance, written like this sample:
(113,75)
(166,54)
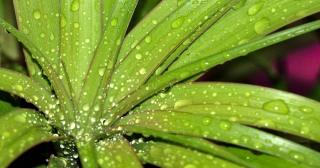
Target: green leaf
(81,29)
(187,141)
(101,67)
(39,20)
(264,161)
(58,81)
(87,154)
(245,104)
(171,156)
(116,153)
(222,130)
(18,133)
(205,64)
(28,89)
(170,33)
(250,20)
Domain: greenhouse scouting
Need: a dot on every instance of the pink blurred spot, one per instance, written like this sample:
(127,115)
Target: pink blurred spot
(302,68)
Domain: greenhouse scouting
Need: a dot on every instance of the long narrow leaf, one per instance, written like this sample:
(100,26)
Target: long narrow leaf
(244,104)
(205,64)
(222,130)
(170,33)
(171,156)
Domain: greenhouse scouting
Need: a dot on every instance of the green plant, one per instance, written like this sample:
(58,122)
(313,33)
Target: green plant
(113,99)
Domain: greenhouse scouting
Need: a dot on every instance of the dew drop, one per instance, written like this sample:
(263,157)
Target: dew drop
(147,39)
(114,22)
(297,156)
(306,109)
(138,56)
(262,26)
(255,8)
(239,5)
(190,166)
(142,71)
(86,107)
(276,106)
(37,14)
(225,125)
(75,5)
(177,23)
(18,87)
(181,103)
(101,71)
(206,121)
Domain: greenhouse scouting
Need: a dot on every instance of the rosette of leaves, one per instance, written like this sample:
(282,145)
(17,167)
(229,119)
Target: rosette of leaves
(109,97)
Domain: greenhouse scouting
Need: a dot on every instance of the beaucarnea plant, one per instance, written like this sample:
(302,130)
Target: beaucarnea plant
(111,98)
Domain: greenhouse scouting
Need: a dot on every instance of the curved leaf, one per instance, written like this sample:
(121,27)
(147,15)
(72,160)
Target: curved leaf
(18,134)
(250,105)
(116,153)
(97,78)
(171,156)
(170,33)
(87,154)
(59,81)
(28,89)
(221,130)
(39,21)
(250,20)
(205,64)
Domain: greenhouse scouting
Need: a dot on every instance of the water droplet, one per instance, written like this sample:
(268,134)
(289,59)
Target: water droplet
(276,106)
(114,22)
(206,121)
(181,103)
(147,39)
(297,156)
(75,5)
(142,71)
(255,8)
(101,71)
(306,109)
(37,14)
(177,23)
(138,56)
(266,123)
(63,21)
(76,25)
(86,107)
(225,125)
(18,87)
(72,125)
(262,26)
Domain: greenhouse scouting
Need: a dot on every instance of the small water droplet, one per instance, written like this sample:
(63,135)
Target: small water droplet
(37,14)
(142,71)
(18,87)
(255,8)
(147,39)
(101,71)
(297,156)
(225,125)
(86,107)
(114,22)
(262,26)
(239,5)
(306,109)
(75,5)
(178,22)
(138,56)
(190,166)
(276,106)
(206,121)
(76,25)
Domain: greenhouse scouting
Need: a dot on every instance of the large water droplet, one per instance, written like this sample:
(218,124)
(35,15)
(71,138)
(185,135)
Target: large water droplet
(189,166)
(181,103)
(37,14)
(177,23)
(138,56)
(75,5)
(147,39)
(239,5)
(255,8)
(18,87)
(276,106)
(262,26)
